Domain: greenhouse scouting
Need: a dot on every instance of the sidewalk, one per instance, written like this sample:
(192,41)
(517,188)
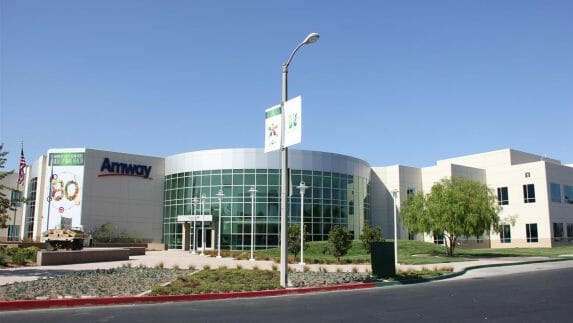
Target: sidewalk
(184,259)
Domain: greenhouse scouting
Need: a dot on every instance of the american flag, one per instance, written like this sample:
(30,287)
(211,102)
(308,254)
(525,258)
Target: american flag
(22,168)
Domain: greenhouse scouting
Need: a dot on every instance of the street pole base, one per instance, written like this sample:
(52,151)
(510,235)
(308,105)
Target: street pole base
(218,257)
(193,252)
(252,259)
(302,263)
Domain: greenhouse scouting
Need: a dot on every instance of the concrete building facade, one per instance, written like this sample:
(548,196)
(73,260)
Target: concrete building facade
(145,196)
(534,193)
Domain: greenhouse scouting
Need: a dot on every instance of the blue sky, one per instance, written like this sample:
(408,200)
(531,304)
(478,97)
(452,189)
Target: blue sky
(391,82)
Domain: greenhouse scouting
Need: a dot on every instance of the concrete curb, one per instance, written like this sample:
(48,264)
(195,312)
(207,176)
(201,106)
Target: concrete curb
(70,302)
(465,270)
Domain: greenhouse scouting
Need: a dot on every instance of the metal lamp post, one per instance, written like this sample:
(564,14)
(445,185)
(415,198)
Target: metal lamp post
(311,38)
(395,196)
(220,197)
(253,192)
(302,187)
(195,202)
(203,198)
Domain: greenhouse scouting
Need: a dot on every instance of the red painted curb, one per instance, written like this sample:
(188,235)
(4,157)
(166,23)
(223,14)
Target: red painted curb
(70,302)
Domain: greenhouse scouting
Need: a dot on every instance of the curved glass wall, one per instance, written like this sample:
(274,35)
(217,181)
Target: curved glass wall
(331,199)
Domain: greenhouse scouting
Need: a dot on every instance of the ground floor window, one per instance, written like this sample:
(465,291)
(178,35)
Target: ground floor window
(557,231)
(439,239)
(505,233)
(531,230)
(569,231)
(411,236)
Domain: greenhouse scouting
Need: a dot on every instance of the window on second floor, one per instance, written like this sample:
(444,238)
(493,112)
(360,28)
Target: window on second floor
(555,192)
(411,191)
(502,196)
(529,193)
(568,194)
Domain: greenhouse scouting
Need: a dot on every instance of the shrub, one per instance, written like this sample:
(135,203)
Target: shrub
(11,251)
(19,258)
(294,239)
(370,234)
(31,253)
(339,242)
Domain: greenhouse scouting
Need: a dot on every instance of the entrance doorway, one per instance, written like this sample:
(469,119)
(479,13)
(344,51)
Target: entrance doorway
(208,238)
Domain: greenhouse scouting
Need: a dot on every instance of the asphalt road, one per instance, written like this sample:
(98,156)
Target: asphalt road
(523,297)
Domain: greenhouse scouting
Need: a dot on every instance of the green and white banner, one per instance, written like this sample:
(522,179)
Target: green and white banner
(293,117)
(293,127)
(273,128)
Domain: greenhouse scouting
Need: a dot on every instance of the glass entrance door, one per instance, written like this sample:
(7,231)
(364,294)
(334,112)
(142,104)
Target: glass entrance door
(208,238)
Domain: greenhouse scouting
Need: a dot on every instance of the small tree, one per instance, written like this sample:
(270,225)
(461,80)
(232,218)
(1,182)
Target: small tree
(339,242)
(294,239)
(369,235)
(5,205)
(454,207)
(104,233)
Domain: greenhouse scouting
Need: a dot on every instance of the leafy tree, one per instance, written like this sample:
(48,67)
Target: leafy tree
(104,233)
(4,200)
(294,239)
(339,242)
(454,207)
(370,234)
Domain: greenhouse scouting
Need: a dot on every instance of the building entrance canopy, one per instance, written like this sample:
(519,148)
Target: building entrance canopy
(197,217)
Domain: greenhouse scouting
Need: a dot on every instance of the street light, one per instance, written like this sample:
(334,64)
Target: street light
(220,197)
(253,192)
(311,38)
(302,188)
(195,202)
(395,196)
(203,198)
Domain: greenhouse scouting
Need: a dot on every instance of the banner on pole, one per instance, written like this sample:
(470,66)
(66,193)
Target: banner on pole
(293,119)
(273,128)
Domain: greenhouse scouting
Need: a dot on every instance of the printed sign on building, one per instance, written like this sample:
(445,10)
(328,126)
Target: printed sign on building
(64,185)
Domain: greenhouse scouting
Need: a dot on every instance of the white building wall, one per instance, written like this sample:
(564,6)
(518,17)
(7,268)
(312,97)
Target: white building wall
(35,170)
(562,211)
(386,180)
(519,212)
(131,204)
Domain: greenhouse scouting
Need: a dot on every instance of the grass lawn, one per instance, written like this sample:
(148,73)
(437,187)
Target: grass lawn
(221,280)
(315,255)
(415,253)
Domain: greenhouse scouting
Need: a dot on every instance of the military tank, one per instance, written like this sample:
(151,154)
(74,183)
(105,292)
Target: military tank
(66,237)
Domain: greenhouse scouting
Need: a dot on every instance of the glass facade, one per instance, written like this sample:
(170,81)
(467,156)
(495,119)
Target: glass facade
(29,220)
(331,199)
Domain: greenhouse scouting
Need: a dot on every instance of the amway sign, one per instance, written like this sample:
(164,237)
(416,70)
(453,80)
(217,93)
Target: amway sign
(109,168)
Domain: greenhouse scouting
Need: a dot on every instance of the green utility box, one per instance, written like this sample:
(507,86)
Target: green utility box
(382,259)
